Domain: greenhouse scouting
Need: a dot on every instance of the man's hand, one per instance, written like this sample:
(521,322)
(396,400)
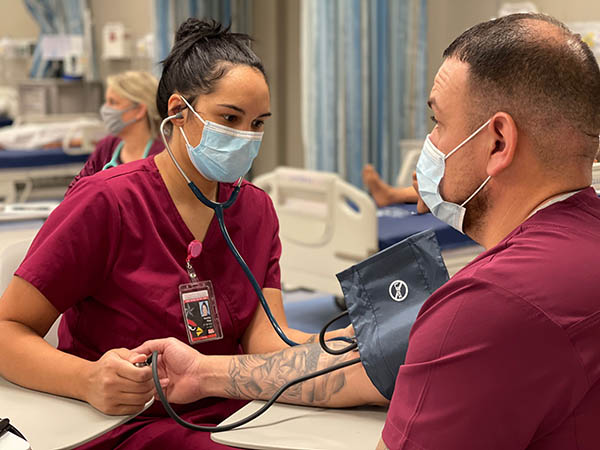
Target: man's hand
(115,386)
(178,369)
(421,206)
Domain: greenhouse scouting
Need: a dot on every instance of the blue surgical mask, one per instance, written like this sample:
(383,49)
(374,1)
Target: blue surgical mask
(223,154)
(430,171)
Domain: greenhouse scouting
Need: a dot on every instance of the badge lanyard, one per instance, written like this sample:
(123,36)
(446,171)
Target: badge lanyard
(198,303)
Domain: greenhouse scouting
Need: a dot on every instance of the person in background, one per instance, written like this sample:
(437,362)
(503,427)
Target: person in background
(132,120)
(383,193)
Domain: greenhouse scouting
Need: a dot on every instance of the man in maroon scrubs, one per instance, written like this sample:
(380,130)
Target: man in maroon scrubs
(505,355)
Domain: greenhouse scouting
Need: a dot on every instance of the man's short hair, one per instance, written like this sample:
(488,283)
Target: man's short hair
(534,68)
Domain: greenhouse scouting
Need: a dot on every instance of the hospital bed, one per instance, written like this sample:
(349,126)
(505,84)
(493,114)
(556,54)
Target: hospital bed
(326,225)
(48,170)
(410,150)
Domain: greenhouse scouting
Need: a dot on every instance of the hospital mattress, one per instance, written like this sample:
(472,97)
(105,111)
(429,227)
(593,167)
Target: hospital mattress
(38,158)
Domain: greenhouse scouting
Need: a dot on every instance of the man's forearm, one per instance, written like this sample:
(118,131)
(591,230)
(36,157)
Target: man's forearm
(260,376)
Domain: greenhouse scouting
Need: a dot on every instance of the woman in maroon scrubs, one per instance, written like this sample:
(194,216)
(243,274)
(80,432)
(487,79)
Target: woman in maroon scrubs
(113,256)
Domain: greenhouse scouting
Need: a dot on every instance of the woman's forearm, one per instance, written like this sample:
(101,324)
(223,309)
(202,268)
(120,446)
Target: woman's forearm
(28,360)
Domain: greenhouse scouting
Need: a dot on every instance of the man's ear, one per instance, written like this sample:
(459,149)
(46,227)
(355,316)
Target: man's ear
(176,105)
(505,135)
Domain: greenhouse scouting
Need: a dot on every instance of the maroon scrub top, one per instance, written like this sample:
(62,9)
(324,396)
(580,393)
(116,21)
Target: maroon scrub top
(506,355)
(103,153)
(111,257)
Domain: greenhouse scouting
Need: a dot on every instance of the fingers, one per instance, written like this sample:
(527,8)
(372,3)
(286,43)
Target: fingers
(137,358)
(130,372)
(148,347)
(136,400)
(125,385)
(129,378)
(124,409)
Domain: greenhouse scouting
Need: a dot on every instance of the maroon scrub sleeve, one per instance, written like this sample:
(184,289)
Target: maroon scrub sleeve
(483,369)
(75,249)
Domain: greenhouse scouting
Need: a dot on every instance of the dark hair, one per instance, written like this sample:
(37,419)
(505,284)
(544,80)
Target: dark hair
(534,68)
(203,52)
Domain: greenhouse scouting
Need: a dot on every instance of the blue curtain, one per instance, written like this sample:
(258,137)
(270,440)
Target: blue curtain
(364,72)
(54,17)
(169,14)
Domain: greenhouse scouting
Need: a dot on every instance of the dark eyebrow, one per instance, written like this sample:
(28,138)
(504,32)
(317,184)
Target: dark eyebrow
(235,108)
(240,110)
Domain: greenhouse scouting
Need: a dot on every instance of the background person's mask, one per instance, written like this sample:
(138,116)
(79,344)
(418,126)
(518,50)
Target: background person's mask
(113,118)
(223,154)
(384,294)
(430,171)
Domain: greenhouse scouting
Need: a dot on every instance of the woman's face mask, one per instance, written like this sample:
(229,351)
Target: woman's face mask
(430,171)
(113,118)
(224,154)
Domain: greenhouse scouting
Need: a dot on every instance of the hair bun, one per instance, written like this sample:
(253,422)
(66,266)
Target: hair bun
(198,29)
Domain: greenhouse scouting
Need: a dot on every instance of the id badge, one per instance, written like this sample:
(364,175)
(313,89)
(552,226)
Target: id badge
(200,314)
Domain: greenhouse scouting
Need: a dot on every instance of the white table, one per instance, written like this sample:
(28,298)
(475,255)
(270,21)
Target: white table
(290,427)
(53,422)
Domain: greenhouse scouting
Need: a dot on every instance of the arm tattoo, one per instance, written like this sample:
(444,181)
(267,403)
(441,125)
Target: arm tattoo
(311,340)
(259,376)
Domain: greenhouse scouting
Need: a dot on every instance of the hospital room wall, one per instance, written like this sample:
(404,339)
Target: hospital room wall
(449,18)
(15,20)
(276,33)
(275,28)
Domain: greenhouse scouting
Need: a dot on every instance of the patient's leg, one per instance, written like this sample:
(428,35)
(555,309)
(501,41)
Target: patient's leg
(383,193)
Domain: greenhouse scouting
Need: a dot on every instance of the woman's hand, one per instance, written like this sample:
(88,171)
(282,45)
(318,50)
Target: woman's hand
(115,386)
(179,369)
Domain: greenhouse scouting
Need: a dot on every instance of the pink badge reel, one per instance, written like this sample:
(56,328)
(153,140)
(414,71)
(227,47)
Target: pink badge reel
(194,249)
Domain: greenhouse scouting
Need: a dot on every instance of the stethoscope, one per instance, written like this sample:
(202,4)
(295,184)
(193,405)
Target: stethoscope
(219,208)
(114,161)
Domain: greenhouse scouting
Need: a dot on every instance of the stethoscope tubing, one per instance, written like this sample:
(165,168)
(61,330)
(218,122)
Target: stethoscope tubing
(219,208)
(245,420)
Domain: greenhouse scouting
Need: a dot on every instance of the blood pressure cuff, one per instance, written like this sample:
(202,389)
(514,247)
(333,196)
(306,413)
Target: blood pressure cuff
(384,294)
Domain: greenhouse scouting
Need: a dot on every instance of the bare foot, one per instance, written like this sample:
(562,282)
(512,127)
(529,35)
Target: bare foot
(379,189)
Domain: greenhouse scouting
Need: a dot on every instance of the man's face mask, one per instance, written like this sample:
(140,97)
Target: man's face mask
(430,171)
(223,154)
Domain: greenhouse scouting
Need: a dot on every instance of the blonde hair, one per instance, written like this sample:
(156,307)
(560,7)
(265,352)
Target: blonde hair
(139,87)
